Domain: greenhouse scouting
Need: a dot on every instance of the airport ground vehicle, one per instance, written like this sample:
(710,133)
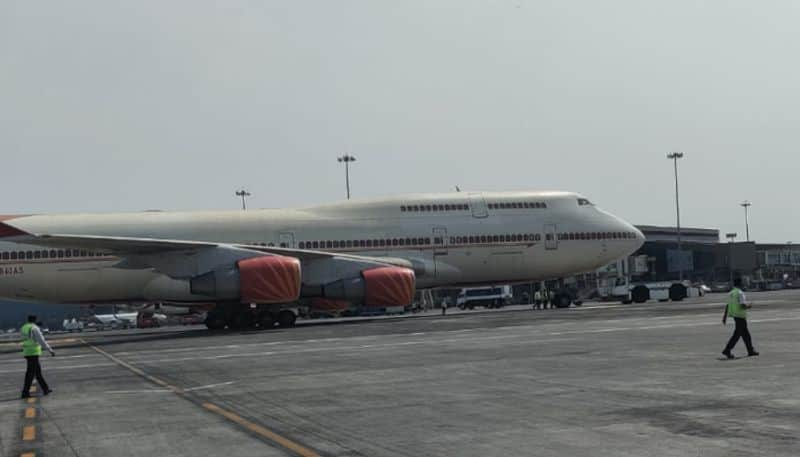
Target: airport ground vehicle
(255,266)
(661,291)
(192,319)
(72,325)
(490,297)
(147,320)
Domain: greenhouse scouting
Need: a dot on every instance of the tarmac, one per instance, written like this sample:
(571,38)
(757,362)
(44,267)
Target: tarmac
(599,380)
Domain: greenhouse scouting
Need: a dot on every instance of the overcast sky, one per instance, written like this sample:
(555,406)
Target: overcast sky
(173,105)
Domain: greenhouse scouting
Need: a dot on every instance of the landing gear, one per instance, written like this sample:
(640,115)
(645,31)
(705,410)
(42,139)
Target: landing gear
(266,321)
(242,319)
(286,318)
(215,320)
(236,316)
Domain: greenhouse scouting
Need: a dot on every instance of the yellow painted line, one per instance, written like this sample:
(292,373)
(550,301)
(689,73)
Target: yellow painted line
(32,400)
(27,454)
(29,433)
(135,370)
(261,431)
(30,413)
(233,417)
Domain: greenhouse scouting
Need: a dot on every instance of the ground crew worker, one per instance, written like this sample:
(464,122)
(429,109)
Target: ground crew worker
(545,298)
(32,343)
(737,308)
(444,306)
(537,299)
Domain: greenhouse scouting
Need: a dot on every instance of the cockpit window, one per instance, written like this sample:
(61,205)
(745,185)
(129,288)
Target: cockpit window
(584,202)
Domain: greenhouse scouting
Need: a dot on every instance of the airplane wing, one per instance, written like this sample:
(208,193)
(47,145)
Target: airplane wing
(142,246)
(254,274)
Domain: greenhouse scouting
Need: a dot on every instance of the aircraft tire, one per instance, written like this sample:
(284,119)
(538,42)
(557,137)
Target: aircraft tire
(286,318)
(561,301)
(266,321)
(215,321)
(242,320)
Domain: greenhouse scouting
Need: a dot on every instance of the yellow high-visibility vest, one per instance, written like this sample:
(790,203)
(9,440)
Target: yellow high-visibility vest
(29,346)
(735,306)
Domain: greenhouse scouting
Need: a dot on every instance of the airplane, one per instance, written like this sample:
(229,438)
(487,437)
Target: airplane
(253,265)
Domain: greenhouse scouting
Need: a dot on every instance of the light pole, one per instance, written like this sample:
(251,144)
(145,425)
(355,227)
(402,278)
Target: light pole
(347,159)
(732,239)
(746,205)
(674,156)
(244,194)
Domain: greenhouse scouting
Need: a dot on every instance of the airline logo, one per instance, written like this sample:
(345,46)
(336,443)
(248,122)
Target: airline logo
(12,271)
(7,230)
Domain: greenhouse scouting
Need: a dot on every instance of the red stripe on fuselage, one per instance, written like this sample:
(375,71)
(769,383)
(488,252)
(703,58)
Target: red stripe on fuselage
(9,230)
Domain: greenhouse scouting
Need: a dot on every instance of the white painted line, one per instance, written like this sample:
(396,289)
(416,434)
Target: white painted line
(208,386)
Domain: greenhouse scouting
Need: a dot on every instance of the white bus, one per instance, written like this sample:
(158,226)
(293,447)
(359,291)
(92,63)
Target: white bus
(490,297)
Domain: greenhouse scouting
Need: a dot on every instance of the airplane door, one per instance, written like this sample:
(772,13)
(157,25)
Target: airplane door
(550,237)
(440,245)
(478,206)
(286,239)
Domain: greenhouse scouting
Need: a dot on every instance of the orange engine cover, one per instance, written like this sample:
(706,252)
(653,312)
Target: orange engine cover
(269,279)
(388,286)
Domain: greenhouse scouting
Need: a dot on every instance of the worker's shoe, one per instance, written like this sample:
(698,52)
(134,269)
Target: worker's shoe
(752,354)
(47,391)
(728,355)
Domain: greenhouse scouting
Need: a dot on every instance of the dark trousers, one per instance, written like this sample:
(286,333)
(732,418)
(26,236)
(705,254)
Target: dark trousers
(740,332)
(34,370)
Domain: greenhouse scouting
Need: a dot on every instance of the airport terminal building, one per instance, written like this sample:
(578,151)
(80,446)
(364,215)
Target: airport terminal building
(704,258)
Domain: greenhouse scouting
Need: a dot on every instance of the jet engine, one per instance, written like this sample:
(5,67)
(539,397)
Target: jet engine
(377,287)
(262,280)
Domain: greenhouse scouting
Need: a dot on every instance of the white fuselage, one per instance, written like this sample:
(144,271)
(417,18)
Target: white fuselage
(451,239)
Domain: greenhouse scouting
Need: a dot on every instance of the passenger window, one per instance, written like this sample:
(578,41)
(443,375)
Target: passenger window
(29,255)
(548,237)
(301,245)
(526,237)
(447,207)
(67,253)
(335,244)
(37,254)
(402,242)
(403,209)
